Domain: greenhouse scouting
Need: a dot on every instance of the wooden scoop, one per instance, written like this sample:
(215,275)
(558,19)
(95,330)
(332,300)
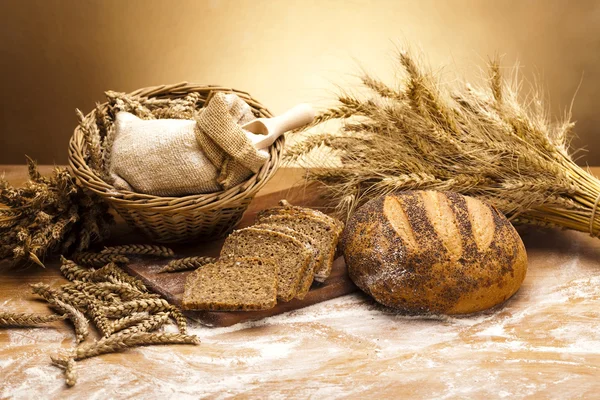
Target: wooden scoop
(264,131)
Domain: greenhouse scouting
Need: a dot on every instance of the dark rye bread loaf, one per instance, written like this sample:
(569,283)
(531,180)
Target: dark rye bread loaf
(243,284)
(316,258)
(323,234)
(424,251)
(291,255)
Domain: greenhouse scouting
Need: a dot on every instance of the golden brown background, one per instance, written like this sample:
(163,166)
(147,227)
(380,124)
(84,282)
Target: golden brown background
(56,55)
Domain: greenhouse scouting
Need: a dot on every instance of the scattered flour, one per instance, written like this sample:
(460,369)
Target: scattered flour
(542,342)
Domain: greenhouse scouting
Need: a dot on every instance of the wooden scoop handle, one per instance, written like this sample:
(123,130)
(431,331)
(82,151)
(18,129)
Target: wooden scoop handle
(296,117)
(293,118)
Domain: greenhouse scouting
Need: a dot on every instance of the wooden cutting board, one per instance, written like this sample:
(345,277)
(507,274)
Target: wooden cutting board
(171,285)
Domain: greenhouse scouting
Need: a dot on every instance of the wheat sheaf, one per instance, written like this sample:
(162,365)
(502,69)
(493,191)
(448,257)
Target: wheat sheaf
(490,142)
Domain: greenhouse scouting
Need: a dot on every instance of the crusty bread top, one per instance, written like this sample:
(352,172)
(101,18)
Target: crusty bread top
(463,225)
(436,249)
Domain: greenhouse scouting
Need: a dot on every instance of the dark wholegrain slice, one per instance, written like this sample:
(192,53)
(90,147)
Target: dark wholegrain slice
(323,233)
(311,211)
(315,261)
(241,284)
(291,255)
(286,208)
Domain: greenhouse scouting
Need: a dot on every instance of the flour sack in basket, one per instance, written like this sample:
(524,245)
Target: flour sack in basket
(174,157)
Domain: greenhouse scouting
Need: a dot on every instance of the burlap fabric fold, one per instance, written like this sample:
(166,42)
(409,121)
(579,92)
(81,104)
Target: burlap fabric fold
(175,157)
(225,143)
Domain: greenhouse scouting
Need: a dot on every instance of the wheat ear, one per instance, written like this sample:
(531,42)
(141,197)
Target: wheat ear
(24,319)
(187,263)
(117,343)
(148,305)
(99,260)
(125,322)
(140,249)
(149,324)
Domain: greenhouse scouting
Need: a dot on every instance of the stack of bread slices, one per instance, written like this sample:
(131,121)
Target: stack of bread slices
(276,259)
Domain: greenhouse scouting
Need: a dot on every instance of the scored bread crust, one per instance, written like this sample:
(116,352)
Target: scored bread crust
(323,272)
(315,261)
(437,252)
(288,281)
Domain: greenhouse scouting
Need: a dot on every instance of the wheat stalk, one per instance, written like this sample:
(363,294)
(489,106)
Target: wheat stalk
(118,305)
(125,291)
(98,259)
(68,364)
(79,320)
(187,263)
(117,343)
(96,290)
(180,319)
(149,324)
(479,141)
(24,319)
(140,249)
(76,299)
(70,373)
(125,322)
(113,344)
(112,273)
(135,306)
(48,215)
(94,311)
(74,272)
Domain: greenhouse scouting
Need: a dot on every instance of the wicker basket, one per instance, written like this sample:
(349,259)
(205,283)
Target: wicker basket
(177,219)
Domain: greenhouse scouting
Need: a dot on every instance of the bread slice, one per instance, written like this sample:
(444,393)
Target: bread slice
(290,254)
(286,208)
(323,233)
(315,261)
(242,284)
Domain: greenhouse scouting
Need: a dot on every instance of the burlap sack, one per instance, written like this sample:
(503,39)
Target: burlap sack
(174,157)
(225,143)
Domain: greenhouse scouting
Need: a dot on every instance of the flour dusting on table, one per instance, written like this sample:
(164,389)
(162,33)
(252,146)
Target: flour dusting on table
(543,341)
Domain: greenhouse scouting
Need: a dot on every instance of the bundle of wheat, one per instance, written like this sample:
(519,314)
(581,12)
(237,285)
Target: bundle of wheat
(118,305)
(49,214)
(482,142)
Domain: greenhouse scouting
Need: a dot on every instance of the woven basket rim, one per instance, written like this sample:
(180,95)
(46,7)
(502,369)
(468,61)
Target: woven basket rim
(124,198)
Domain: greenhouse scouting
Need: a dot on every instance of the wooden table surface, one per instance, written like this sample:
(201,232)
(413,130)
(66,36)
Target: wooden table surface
(542,343)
